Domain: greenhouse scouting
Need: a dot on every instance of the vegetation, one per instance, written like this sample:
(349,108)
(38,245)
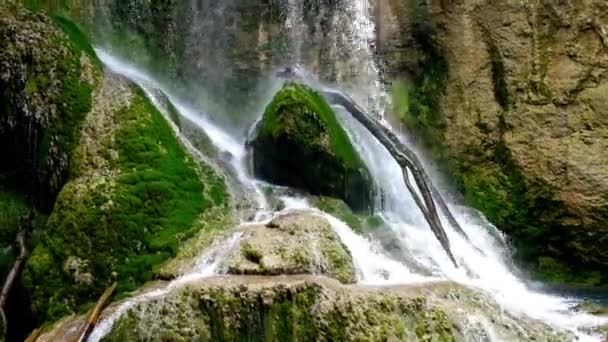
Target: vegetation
(13,206)
(417,101)
(300,98)
(106,228)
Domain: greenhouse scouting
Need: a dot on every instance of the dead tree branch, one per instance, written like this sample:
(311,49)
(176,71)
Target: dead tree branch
(407,160)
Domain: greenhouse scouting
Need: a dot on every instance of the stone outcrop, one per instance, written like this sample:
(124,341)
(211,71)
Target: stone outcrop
(134,196)
(521,123)
(301,144)
(46,81)
(294,243)
(308,308)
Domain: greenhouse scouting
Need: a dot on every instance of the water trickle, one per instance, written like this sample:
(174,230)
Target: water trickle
(204,266)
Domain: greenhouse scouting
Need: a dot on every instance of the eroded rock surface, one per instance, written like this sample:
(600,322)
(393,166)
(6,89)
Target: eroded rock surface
(294,243)
(520,120)
(306,308)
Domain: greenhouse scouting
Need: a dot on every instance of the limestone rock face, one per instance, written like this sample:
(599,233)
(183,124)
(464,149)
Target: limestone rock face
(305,308)
(301,144)
(522,122)
(294,243)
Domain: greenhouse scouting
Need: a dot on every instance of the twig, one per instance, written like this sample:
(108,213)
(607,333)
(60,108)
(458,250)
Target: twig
(93,315)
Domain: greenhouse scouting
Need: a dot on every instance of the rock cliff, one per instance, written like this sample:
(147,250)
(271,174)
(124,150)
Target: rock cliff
(511,98)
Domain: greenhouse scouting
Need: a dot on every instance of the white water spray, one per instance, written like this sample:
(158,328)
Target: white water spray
(222,140)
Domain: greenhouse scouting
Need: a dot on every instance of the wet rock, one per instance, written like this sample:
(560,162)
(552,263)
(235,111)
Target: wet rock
(301,144)
(294,243)
(46,81)
(517,112)
(316,308)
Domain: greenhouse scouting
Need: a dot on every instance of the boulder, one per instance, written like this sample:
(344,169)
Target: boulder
(47,76)
(301,144)
(133,197)
(294,243)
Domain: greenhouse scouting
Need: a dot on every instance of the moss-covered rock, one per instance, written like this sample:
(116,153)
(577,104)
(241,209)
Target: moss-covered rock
(47,75)
(294,243)
(133,197)
(305,308)
(301,144)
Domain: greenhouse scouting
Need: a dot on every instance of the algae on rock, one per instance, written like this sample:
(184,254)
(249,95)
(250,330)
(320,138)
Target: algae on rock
(308,308)
(301,144)
(516,93)
(46,82)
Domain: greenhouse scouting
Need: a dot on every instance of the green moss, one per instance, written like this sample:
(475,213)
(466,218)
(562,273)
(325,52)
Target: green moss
(340,210)
(417,100)
(122,227)
(13,206)
(301,144)
(80,40)
(251,253)
(300,98)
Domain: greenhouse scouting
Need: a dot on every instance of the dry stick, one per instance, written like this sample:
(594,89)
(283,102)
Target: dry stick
(406,159)
(14,272)
(93,315)
(34,335)
(436,194)
(415,164)
(439,234)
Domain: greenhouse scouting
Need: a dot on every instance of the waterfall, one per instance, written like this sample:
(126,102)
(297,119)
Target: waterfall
(219,137)
(485,261)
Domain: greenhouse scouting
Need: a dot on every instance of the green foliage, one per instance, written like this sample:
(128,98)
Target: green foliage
(300,100)
(106,228)
(13,206)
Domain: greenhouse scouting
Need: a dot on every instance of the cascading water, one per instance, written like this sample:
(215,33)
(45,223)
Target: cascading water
(485,261)
(222,140)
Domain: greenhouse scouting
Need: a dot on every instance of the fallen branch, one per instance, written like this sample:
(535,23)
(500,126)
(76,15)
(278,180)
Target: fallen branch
(93,315)
(13,273)
(34,335)
(407,160)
